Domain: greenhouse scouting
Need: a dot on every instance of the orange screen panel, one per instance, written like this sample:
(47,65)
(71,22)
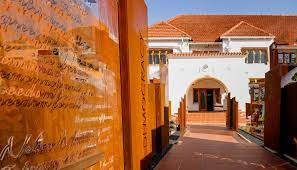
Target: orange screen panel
(60,84)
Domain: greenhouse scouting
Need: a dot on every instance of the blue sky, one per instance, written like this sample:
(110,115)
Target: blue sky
(160,10)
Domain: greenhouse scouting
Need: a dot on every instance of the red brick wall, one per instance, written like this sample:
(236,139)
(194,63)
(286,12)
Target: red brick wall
(207,117)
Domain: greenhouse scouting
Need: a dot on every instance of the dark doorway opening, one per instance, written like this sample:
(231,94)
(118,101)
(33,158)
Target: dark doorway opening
(210,103)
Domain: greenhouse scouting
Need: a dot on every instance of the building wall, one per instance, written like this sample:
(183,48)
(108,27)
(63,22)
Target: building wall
(154,71)
(232,71)
(178,45)
(235,45)
(205,47)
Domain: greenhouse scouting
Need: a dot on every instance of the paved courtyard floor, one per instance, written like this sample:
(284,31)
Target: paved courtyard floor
(213,147)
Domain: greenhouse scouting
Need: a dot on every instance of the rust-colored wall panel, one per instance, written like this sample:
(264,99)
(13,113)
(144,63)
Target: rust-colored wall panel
(170,110)
(133,52)
(159,116)
(182,115)
(273,57)
(165,129)
(232,113)
(235,114)
(228,111)
(160,103)
(60,85)
(273,106)
(185,112)
(288,120)
(152,111)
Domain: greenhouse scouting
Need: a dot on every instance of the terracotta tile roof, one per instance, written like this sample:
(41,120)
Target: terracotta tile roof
(245,29)
(207,55)
(164,29)
(209,28)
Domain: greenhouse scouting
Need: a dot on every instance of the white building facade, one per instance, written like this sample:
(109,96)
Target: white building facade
(206,71)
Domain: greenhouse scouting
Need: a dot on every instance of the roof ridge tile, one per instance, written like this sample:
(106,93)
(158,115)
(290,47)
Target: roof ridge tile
(179,29)
(159,29)
(250,25)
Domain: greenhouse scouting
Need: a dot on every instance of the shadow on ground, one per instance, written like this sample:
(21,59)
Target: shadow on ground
(217,148)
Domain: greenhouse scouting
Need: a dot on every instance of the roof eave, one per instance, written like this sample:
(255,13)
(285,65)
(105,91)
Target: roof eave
(205,42)
(247,37)
(218,55)
(286,47)
(169,38)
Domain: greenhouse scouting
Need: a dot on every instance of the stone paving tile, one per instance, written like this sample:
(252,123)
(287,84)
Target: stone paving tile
(209,147)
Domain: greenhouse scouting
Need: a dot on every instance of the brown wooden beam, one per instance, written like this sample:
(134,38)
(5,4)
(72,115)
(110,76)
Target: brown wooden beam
(125,84)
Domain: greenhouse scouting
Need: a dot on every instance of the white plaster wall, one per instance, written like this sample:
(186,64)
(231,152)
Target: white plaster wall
(190,105)
(154,71)
(203,47)
(233,72)
(235,45)
(178,46)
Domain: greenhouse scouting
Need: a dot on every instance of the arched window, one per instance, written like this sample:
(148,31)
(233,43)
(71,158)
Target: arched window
(263,56)
(257,56)
(250,56)
(156,58)
(151,61)
(293,58)
(195,96)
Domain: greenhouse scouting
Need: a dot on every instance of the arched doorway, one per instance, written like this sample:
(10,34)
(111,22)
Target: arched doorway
(206,95)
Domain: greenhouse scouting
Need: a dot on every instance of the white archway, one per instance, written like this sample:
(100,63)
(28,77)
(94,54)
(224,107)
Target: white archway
(209,78)
(206,93)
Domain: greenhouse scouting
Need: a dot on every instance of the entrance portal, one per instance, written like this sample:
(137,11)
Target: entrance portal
(206,94)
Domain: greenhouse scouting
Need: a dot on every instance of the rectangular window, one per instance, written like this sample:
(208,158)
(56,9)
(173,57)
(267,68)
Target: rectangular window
(263,57)
(218,96)
(250,56)
(156,59)
(287,58)
(195,95)
(158,56)
(293,58)
(163,58)
(280,58)
(257,90)
(151,61)
(255,55)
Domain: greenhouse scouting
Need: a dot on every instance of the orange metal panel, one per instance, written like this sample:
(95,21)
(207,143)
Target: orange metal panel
(60,85)
(273,106)
(133,43)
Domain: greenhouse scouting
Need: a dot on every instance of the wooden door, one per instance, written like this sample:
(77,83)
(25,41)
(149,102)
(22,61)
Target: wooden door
(202,99)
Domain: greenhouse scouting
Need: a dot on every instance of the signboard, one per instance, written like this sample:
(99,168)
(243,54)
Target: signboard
(60,85)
